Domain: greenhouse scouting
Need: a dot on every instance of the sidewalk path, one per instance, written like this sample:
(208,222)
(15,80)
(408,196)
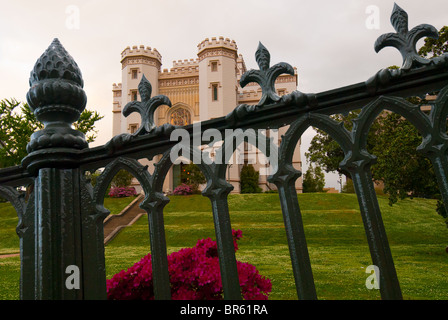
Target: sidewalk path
(9,255)
(113,224)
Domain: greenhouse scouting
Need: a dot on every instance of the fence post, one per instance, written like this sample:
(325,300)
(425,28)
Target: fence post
(57,99)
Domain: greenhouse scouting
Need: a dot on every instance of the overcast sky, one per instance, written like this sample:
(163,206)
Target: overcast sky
(330,42)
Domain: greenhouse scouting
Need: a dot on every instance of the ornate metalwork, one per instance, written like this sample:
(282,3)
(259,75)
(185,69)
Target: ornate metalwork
(146,107)
(266,76)
(57,99)
(61,220)
(405,40)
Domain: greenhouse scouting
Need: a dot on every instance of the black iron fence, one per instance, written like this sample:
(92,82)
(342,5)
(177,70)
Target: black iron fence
(61,218)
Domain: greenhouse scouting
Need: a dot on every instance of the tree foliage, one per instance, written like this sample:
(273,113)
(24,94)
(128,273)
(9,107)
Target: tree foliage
(249,179)
(403,170)
(393,140)
(18,123)
(122,179)
(348,187)
(313,180)
(16,129)
(325,152)
(435,47)
(193,176)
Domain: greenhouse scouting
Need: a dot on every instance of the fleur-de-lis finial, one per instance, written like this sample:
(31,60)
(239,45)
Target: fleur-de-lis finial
(266,76)
(146,107)
(405,40)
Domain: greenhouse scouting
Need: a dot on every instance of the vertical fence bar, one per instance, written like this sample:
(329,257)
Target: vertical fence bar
(295,233)
(161,277)
(440,165)
(26,230)
(224,240)
(94,264)
(375,232)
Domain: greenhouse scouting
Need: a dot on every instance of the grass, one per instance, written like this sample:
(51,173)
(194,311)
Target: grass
(116,205)
(9,242)
(335,234)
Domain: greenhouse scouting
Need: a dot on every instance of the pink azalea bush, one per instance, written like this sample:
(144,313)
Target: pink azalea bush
(120,192)
(194,275)
(183,189)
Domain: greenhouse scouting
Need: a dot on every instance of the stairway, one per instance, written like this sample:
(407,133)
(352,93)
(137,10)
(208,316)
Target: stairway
(113,224)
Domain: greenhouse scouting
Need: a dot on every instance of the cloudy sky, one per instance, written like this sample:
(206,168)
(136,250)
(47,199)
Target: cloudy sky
(330,42)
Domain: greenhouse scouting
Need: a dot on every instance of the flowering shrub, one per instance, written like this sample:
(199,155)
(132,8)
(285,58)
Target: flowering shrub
(194,275)
(119,192)
(183,189)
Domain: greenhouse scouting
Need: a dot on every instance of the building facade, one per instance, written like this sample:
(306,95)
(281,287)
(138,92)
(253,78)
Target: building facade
(200,89)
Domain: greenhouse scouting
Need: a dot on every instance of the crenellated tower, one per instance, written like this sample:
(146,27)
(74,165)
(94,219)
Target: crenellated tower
(217,77)
(135,62)
(199,89)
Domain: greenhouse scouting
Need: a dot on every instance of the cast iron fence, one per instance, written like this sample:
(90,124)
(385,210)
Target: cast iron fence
(61,219)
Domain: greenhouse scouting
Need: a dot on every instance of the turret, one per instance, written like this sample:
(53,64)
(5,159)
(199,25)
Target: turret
(135,62)
(217,77)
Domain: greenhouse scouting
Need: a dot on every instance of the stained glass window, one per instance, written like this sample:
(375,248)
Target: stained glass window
(180,117)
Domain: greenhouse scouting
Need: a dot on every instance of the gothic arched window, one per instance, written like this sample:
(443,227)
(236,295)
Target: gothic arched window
(180,117)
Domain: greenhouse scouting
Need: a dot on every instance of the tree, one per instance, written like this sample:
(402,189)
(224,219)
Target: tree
(18,123)
(404,171)
(348,187)
(249,179)
(313,180)
(394,141)
(326,153)
(193,176)
(435,47)
(15,132)
(122,179)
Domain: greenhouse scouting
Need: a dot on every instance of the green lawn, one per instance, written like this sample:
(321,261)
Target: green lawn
(9,242)
(335,235)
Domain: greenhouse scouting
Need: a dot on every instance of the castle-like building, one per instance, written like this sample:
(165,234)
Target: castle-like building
(200,89)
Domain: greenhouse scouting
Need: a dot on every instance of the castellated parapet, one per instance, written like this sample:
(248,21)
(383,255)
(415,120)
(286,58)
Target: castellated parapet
(182,68)
(215,43)
(185,63)
(141,54)
(228,47)
(116,86)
